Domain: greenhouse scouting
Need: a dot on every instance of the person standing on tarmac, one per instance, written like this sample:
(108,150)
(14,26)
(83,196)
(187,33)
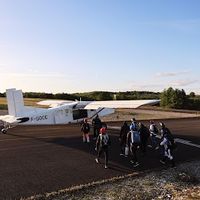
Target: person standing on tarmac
(85,129)
(153,133)
(167,144)
(102,144)
(122,137)
(144,135)
(97,125)
(133,140)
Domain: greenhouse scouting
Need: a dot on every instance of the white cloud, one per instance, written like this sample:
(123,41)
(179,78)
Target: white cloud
(158,86)
(149,85)
(182,83)
(170,74)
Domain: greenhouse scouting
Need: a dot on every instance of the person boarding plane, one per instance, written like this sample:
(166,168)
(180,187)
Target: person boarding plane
(60,112)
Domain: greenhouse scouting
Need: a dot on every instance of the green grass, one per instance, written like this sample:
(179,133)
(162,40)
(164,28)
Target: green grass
(3,107)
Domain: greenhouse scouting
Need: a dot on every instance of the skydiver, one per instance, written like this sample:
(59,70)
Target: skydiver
(122,137)
(85,128)
(97,125)
(133,141)
(144,135)
(167,144)
(102,144)
(153,133)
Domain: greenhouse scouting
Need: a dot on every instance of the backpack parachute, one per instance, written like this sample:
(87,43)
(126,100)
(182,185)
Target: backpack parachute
(155,129)
(133,126)
(104,140)
(135,137)
(171,142)
(85,128)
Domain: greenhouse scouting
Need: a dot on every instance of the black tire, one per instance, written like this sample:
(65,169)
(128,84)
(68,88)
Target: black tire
(4,131)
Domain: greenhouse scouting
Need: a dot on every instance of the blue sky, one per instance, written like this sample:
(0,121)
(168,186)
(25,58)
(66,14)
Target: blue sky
(86,45)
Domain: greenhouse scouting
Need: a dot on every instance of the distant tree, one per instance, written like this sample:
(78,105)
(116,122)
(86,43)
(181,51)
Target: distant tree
(166,97)
(2,94)
(171,98)
(64,96)
(192,94)
(38,95)
(104,96)
(121,96)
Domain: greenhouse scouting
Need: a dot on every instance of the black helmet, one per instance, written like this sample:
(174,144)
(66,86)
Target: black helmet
(133,120)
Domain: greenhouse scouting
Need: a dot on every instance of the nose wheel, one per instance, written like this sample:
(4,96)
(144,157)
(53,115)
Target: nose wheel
(3,130)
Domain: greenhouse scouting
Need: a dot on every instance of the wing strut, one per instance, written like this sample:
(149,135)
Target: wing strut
(96,113)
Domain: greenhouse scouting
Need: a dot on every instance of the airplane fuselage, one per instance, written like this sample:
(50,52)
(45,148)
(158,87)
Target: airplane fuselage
(62,115)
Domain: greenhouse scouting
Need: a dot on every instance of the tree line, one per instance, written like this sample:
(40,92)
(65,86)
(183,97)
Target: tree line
(93,96)
(170,98)
(175,98)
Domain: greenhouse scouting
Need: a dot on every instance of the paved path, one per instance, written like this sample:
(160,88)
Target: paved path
(38,159)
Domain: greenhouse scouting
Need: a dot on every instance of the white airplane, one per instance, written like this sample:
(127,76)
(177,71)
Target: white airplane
(60,112)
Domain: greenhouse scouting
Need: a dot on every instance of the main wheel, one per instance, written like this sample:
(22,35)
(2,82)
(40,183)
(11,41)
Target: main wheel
(4,131)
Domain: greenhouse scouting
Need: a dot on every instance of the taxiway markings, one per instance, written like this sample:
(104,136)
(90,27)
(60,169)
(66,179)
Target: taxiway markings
(179,140)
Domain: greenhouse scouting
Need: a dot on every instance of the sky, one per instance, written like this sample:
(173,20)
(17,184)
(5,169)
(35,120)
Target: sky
(99,45)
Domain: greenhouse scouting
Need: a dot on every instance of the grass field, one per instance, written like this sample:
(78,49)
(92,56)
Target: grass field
(27,102)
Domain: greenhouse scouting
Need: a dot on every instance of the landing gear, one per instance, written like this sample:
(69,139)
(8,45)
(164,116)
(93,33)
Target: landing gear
(4,131)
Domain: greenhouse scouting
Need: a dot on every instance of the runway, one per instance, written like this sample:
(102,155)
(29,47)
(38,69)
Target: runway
(38,159)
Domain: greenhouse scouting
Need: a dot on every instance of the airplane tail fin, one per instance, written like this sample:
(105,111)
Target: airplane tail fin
(15,101)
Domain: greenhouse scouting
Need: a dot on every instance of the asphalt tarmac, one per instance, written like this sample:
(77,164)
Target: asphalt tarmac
(39,159)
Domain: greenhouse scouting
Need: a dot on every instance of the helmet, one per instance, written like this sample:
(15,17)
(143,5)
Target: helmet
(103,130)
(133,119)
(140,125)
(162,124)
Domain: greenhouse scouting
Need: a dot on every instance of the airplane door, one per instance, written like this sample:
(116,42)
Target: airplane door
(80,114)
(63,116)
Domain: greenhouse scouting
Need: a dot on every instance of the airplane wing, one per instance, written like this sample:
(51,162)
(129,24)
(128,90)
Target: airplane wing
(54,103)
(120,104)
(100,104)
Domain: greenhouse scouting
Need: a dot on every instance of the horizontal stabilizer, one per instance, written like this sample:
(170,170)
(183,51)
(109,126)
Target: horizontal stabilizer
(9,119)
